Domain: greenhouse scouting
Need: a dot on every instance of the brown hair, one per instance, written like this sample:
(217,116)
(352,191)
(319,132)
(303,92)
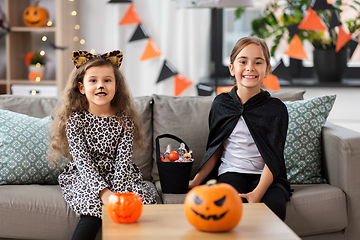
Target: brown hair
(72,101)
(246,41)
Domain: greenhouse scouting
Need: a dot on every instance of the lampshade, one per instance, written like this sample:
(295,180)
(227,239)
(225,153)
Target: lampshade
(214,3)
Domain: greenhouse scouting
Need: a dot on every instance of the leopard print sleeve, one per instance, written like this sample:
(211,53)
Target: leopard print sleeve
(80,152)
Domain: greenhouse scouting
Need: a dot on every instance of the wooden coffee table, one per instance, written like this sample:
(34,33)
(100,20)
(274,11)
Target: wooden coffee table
(168,221)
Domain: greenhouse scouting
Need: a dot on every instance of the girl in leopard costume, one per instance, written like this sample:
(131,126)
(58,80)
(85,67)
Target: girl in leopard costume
(95,126)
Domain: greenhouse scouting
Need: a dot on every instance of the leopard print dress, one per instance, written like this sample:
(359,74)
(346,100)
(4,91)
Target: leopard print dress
(101,149)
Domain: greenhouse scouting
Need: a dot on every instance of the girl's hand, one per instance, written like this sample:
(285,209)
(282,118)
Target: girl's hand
(251,197)
(192,184)
(104,195)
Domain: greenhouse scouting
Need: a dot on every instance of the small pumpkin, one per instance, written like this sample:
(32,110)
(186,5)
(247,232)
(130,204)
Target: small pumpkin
(35,16)
(213,207)
(124,207)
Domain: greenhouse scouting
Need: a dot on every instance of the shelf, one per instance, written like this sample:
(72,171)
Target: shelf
(33,29)
(42,82)
(300,82)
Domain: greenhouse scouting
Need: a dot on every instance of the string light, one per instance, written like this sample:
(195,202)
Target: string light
(44,38)
(76,26)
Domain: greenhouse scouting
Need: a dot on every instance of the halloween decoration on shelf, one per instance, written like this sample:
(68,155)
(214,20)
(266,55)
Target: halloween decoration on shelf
(124,207)
(35,16)
(213,207)
(36,63)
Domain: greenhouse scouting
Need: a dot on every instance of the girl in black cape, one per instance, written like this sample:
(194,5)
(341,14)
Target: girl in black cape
(247,133)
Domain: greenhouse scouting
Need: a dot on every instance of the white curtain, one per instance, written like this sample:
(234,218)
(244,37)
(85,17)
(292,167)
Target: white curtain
(182,35)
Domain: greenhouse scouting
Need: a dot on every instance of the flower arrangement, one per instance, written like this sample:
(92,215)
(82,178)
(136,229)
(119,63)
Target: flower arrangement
(279,16)
(35,58)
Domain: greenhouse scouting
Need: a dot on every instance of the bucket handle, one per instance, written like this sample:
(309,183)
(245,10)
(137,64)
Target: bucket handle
(166,136)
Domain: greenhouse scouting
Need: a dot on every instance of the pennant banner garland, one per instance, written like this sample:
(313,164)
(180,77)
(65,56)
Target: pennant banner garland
(140,33)
(296,49)
(343,38)
(311,21)
(151,50)
(130,16)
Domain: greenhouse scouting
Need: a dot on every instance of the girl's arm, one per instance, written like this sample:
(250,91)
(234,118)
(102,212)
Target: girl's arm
(104,195)
(257,194)
(206,168)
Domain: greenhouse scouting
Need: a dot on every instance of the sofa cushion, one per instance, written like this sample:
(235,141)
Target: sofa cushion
(35,106)
(36,212)
(303,141)
(315,209)
(184,117)
(144,159)
(289,94)
(23,150)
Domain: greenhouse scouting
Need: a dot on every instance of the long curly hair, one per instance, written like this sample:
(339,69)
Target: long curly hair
(73,101)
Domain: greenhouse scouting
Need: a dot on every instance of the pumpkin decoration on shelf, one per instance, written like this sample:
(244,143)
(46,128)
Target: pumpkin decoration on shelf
(35,16)
(124,207)
(213,207)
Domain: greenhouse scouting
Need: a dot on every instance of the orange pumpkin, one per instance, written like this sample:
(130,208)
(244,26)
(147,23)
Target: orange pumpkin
(213,207)
(35,16)
(124,207)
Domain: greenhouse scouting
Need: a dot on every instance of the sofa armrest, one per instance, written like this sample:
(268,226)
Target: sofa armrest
(341,151)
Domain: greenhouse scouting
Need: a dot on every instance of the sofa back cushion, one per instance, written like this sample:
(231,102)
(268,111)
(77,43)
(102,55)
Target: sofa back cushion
(187,118)
(143,159)
(184,117)
(34,106)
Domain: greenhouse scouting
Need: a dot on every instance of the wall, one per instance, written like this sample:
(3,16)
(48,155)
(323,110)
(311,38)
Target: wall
(345,111)
(182,36)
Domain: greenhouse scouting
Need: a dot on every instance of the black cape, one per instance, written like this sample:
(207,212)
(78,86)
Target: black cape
(267,120)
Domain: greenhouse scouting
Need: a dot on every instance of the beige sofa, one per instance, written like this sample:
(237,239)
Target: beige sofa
(315,211)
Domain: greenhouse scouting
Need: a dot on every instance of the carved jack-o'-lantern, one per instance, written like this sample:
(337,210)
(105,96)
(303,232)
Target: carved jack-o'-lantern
(213,207)
(35,16)
(124,207)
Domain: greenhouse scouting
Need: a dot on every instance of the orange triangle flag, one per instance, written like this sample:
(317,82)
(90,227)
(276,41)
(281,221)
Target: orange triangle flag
(311,21)
(181,83)
(342,39)
(151,51)
(224,89)
(296,49)
(271,82)
(130,16)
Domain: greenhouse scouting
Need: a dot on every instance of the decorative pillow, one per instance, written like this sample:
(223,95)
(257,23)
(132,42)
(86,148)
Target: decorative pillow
(303,142)
(23,150)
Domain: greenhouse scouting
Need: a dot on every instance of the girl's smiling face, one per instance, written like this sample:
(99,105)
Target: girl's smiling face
(250,68)
(99,86)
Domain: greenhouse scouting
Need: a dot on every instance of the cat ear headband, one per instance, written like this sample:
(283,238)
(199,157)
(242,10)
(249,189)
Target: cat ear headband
(81,57)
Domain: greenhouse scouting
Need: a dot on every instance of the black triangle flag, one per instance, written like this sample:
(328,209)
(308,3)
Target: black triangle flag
(353,43)
(281,71)
(204,90)
(335,19)
(293,29)
(167,71)
(140,33)
(320,5)
(120,1)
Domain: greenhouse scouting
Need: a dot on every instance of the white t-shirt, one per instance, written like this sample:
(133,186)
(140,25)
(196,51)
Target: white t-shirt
(240,153)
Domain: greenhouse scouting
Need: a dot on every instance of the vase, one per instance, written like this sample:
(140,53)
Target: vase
(36,73)
(330,65)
